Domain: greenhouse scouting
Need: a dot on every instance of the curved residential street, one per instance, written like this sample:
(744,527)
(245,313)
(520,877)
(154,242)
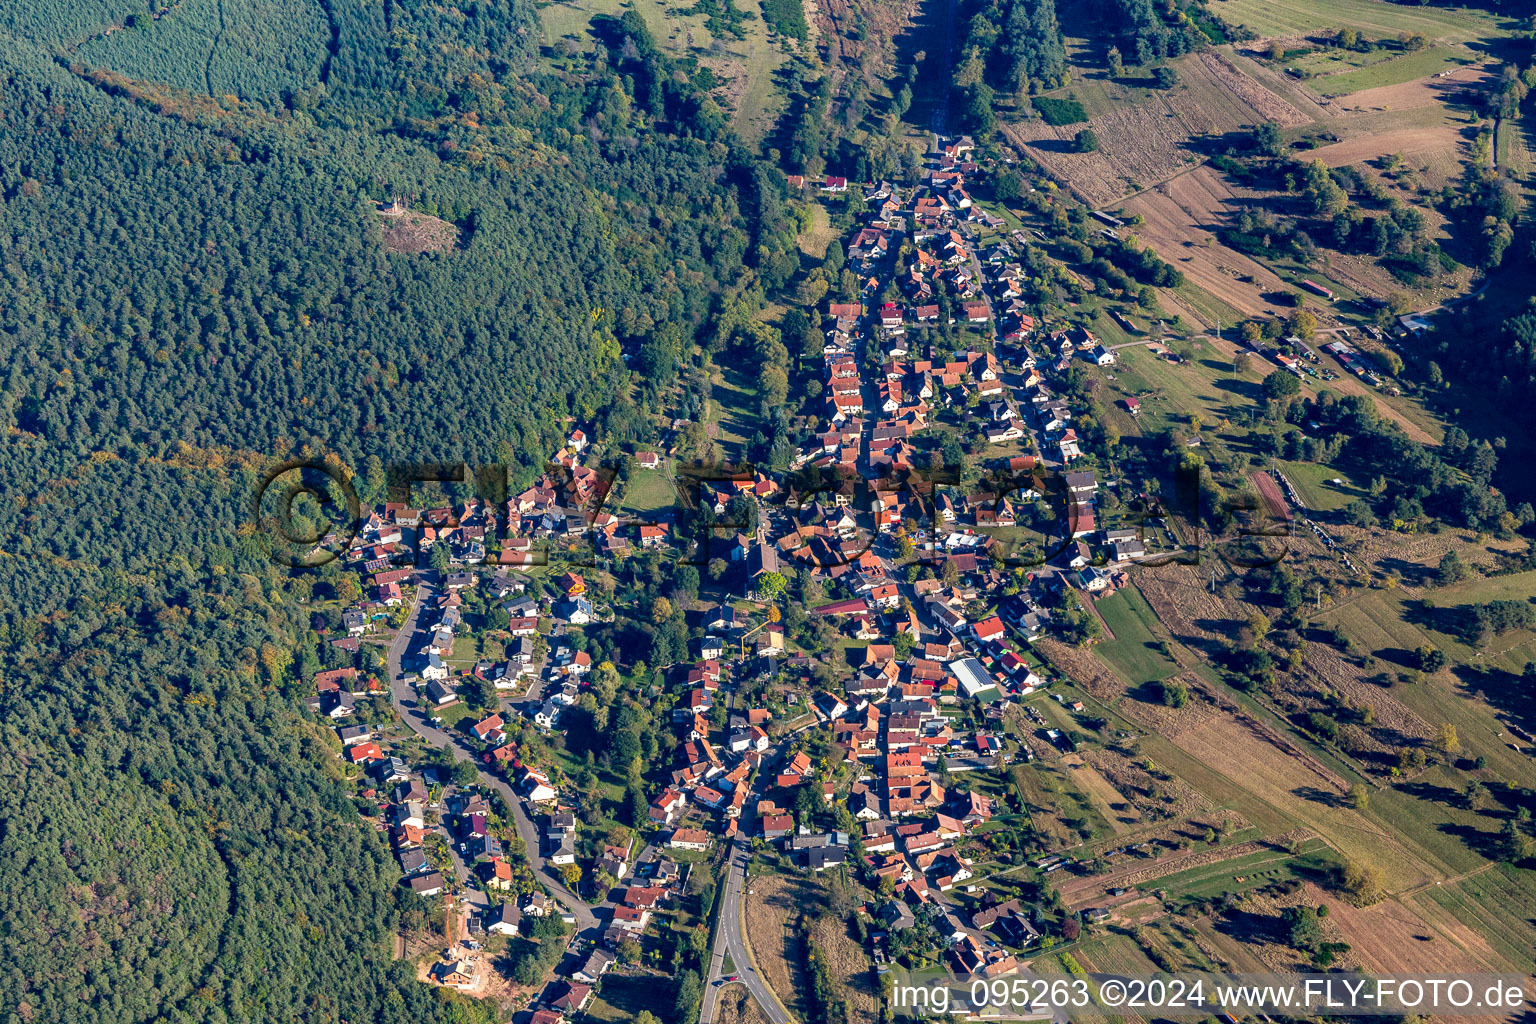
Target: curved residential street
(406,705)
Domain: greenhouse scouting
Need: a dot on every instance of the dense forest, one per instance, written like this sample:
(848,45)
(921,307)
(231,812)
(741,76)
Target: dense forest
(195,282)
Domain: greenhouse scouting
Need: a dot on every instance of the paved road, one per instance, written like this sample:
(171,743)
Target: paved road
(405,700)
(729,938)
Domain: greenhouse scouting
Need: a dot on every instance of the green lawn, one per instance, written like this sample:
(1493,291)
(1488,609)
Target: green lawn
(733,410)
(649,490)
(1406,68)
(1170,393)
(1261,867)
(622,997)
(1313,482)
(1132,653)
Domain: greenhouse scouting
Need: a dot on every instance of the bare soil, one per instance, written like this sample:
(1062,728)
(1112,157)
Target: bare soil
(411,233)
(1181,220)
(1145,140)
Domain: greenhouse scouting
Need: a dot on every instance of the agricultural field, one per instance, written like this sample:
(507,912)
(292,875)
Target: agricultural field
(1393,71)
(1296,18)
(1496,905)
(1315,483)
(733,409)
(1303,790)
(1428,932)
(1249,869)
(1417,108)
(1145,133)
(1181,219)
(1133,652)
(1060,812)
(1393,624)
(1117,811)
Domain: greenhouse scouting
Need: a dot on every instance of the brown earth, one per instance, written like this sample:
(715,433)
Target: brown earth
(1421,92)
(1180,220)
(412,233)
(1258,96)
(1146,139)
(1412,143)
(1385,938)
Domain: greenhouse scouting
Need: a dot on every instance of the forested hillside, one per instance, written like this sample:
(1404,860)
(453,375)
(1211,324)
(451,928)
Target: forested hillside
(194,284)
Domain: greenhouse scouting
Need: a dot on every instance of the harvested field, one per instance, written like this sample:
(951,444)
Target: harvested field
(1414,144)
(1255,94)
(1395,725)
(1256,925)
(1294,93)
(1411,118)
(1182,216)
(1189,611)
(1394,71)
(1120,812)
(1305,790)
(1498,903)
(1144,137)
(1293,19)
(1393,938)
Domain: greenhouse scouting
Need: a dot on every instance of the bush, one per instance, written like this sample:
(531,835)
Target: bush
(1056,112)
